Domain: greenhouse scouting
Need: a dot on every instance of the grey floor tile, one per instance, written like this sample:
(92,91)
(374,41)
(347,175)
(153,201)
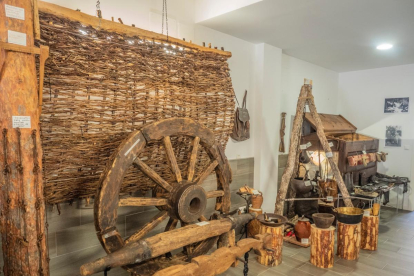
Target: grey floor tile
(311,269)
(406,271)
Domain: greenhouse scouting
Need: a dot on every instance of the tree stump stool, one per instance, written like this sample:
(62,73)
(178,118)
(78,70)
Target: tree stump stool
(271,257)
(253,227)
(369,232)
(322,246)
(349,241)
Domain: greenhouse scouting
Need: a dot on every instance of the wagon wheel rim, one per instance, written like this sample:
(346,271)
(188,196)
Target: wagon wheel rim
(186,200)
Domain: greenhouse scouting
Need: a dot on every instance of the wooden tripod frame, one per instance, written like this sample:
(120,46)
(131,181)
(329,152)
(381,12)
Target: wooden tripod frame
(306,98)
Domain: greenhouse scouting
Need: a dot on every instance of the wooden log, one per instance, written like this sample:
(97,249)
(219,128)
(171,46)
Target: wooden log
(349,241)
(216,263)
(322,246)
(253,227)
(228,240)
(325,145)
(112,26)
(211,194)
(139,251)
(293,147)
(21,198)
(271,256)
(369,232)
(282,133)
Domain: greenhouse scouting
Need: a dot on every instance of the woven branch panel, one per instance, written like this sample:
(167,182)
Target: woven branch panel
(100,86)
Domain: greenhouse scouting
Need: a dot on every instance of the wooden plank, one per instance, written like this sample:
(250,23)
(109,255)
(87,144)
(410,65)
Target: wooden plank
(333,124)
(142,201)
(20,48)
(108,25)
(36,24)
(211,194)
(152,174)
(193,158)
(200,179)
(172,161)
(160,217)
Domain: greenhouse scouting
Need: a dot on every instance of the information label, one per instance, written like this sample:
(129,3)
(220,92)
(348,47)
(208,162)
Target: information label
(303,147)
(304,241)
(308,144)
(308,183)
(16,38)
(21,122)
(202,223)
(14,12)
(331,144)
(329,154)
(364,152)
(329,198)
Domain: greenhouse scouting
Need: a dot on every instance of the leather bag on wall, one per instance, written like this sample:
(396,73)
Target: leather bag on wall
(241,128)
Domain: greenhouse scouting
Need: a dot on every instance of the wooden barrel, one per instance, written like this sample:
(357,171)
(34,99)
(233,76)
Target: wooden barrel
(349,241)
(272,257)
(322,246)
(369,232)
(253,226)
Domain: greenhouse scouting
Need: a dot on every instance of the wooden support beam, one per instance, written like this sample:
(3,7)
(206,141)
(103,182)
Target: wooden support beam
(22,226)
(143,201)
(111,26)
(212,194)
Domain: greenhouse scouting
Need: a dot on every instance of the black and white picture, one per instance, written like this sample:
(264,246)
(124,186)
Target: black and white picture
(393,136)
(396,105)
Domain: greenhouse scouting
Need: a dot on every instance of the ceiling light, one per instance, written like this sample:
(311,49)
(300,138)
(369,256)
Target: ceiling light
(384,46)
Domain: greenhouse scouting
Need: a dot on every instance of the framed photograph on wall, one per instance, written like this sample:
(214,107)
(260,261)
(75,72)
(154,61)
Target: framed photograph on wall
(393,136)
(396,105)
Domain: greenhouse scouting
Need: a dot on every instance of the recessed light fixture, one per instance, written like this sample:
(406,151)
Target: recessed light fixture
(384,46)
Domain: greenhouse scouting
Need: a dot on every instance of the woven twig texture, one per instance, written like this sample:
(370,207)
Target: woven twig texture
(100,86)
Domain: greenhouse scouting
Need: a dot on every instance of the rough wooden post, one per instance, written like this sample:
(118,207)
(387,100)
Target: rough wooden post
(21,199)
(325,145)
(293,147)
(322,246)
(271,257)
(349,241)
(369,232)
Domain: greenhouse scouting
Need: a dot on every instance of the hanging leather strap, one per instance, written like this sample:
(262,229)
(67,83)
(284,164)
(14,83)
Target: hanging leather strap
(244,99)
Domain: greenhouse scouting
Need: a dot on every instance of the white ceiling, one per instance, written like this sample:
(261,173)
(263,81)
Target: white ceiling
(340,35)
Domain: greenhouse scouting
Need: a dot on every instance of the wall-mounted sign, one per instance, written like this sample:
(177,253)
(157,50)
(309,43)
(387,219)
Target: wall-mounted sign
(16,38)
(14,12)
(21,122)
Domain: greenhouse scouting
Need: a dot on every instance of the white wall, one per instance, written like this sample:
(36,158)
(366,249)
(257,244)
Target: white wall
(325,88)
(361,101)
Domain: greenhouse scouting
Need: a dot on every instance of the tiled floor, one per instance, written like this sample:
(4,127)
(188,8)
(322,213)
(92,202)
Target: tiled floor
(395,254)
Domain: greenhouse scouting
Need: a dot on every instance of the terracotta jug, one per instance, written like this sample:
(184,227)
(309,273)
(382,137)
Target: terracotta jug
(257,201)
(302,229)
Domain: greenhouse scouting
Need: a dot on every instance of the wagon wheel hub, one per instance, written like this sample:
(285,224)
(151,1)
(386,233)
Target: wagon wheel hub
(189,202)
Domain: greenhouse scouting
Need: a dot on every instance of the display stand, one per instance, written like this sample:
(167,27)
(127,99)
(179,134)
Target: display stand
(272,257)
(253,227)
(322,246)
(369,232)
(349,241)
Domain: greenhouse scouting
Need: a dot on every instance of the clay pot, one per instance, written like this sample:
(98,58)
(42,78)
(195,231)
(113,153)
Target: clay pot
(323,220)
(375,209)
(257,201)
(302,229)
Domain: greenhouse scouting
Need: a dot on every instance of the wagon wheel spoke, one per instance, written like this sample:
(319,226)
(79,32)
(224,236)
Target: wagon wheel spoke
(217,193)
(193,158)
(143,201)
(172,161)
(152,174)
(160,217)
(200,179)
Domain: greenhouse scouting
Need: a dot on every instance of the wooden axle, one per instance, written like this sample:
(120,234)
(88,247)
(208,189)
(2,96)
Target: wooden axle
(139,251)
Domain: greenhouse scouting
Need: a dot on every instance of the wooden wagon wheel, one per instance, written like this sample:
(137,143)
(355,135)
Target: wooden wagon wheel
(183,200)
